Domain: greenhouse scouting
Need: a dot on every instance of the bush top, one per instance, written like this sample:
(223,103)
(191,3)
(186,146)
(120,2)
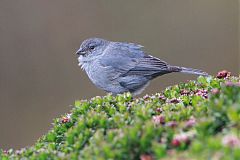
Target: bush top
(194,120)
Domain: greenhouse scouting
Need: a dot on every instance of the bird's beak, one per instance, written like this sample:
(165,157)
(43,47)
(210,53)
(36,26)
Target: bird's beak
(80,52)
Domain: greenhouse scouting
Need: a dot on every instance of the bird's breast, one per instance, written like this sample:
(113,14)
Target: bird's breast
(96,74)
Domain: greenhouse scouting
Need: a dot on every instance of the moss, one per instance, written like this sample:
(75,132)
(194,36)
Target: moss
(194,120)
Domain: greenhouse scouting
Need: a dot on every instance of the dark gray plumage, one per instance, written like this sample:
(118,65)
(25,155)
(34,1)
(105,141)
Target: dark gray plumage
(119,67)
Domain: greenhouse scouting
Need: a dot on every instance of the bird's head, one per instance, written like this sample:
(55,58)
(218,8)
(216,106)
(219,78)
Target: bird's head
(92,47)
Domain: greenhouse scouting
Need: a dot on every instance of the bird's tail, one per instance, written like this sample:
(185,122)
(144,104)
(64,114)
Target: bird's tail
(188,70)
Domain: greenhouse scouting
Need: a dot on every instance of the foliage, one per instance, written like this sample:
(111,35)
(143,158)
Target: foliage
(194,120)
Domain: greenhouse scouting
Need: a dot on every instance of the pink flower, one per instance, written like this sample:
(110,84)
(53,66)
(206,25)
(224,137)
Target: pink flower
(176,142)
(66,118)
(223,74)
(6,152)
(146,157)
(190,123)
(159,119)
(159,110)
(215,91)
(202,92)
(174,100)
(184,92)
(146,97)
(231,141)
(162,97)
(230,84)
(172,124)
(183,138)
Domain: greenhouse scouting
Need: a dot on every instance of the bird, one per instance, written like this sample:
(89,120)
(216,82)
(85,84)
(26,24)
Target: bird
(119,67)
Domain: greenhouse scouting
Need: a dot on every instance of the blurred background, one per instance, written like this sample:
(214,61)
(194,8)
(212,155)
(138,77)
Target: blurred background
(39,75)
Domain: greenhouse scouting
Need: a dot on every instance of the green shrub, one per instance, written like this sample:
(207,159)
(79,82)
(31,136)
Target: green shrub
(194,120)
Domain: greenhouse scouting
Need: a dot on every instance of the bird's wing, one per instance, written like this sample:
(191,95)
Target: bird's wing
(121,57)
(150,66)
(126,59)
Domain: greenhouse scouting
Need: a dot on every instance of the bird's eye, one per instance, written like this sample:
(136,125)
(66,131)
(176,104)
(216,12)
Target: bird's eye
(91,47)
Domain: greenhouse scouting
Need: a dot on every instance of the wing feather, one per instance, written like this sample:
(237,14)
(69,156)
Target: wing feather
(128,59)
(149,66)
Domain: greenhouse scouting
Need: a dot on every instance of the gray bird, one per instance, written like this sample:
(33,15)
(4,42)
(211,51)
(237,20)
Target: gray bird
(119,67)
